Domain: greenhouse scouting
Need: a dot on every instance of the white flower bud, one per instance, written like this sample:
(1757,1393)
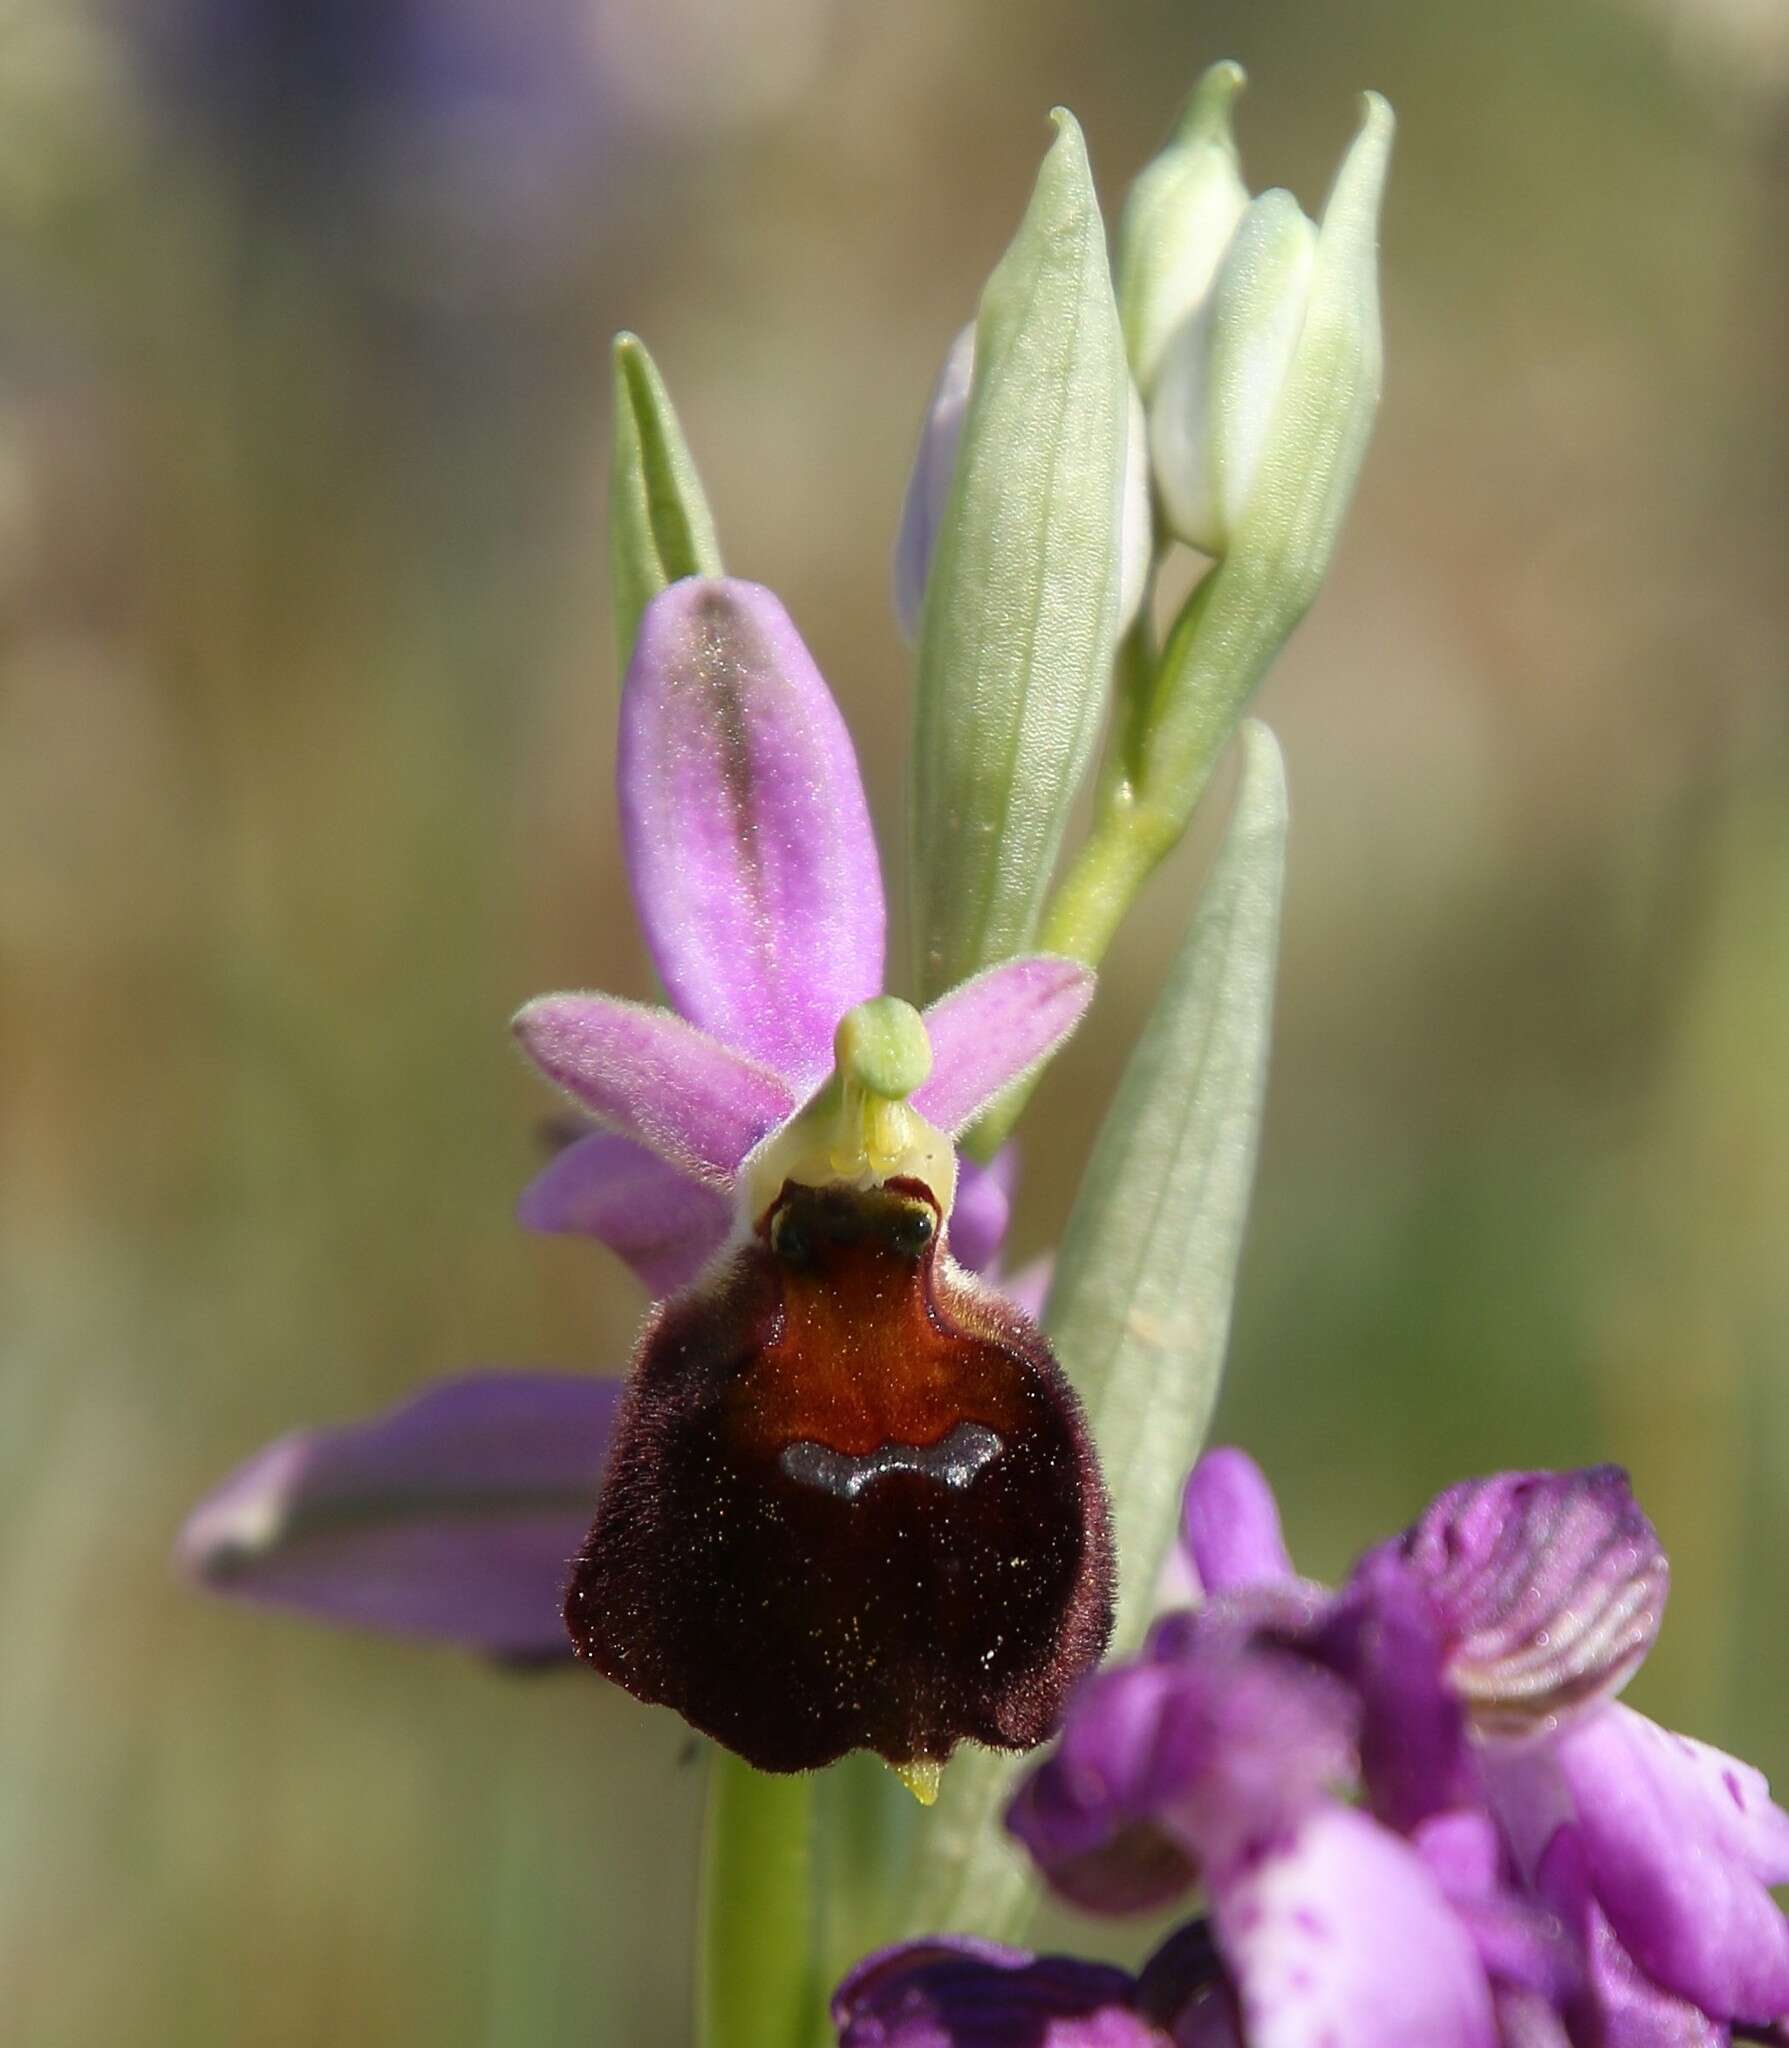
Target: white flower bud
(1264,401)
(1178,220)
(928,492)
(1218,389)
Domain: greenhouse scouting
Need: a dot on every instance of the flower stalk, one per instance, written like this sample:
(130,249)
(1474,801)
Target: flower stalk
(760,1981)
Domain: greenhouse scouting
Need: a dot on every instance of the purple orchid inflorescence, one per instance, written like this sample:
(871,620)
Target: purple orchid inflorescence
(755,875)
(1416,1812)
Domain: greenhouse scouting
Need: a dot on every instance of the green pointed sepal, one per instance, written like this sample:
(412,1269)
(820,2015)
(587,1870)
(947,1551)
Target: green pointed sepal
(660,528)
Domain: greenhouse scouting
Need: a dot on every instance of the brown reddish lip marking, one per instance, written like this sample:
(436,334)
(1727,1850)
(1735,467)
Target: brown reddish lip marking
(860,1362)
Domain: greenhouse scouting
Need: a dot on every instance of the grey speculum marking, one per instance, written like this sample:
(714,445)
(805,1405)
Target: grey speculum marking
(954,1460)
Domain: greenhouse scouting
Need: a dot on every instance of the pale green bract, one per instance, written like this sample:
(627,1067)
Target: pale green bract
(1021,604)
(660,528)
(1140,1310)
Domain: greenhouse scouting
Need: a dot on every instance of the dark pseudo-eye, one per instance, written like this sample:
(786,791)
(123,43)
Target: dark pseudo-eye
(852,1502)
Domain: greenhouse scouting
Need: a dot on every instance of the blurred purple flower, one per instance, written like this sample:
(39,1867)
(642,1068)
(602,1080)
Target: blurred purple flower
(756,879)
(298,73)
(454,146)
(1530,1864)
(932,1994)
(450,1516)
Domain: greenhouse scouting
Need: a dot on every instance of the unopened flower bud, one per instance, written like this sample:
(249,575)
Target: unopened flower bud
(1264,400)
(934,464)
(1178,221)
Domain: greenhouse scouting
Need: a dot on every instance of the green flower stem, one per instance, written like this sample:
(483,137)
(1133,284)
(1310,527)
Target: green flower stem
(758,1982)
(1175,721)
(1122,851)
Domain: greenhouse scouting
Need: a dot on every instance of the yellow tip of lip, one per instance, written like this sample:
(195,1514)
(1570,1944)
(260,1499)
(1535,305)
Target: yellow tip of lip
(922,1778)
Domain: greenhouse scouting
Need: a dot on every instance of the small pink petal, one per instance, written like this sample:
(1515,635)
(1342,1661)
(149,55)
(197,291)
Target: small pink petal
(993,1030)
(655,1079)
(664,1225)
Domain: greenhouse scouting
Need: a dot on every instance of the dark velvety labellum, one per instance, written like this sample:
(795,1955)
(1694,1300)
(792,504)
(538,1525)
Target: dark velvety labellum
(851,1504)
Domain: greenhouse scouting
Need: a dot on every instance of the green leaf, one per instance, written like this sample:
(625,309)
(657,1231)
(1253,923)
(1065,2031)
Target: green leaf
(660,528)
(1140,1309)
(1021,607)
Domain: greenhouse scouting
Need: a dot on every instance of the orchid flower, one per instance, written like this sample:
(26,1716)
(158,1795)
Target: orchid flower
(846,1497)
(1416,1810)
(779,1072)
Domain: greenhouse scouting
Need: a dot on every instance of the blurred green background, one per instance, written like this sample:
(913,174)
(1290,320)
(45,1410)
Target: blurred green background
(305,783)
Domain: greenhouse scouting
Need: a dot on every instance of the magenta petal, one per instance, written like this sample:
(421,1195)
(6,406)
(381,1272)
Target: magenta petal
(957,1992)
(991,1031)
(1549,1587)
(1090,1814)
(1343,1937)
(1169,1765)
(453,1516)
(666,1226)
(748,839)
(1521,1945)
(1230,1524)
(1616,2005)
(1682,1843)
(655,1079)
(1384,1635)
